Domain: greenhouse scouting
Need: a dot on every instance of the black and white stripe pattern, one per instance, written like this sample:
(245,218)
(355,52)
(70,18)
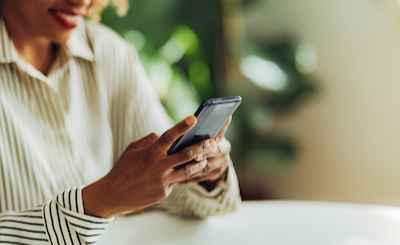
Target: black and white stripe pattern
(60,221)
(62,131)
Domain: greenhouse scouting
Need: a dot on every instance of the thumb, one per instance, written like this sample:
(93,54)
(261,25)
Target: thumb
(222,132)
(143,142)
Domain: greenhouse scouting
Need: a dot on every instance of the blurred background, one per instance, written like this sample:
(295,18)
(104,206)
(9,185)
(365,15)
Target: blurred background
(319,81)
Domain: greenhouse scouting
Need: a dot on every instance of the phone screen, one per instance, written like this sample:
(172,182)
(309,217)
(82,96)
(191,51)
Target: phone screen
(211,117)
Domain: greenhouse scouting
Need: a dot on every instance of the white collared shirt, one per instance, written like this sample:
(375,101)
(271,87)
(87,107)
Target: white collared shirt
(62,131)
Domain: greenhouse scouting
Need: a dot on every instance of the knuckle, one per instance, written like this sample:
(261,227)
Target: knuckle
(167,137)
(163,139)
(212,165)
(188,171)
(188,152)
(154,135)
(205,171)
(198,167)
(148,156)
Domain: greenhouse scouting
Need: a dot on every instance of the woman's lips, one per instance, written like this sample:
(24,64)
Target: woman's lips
(67,19)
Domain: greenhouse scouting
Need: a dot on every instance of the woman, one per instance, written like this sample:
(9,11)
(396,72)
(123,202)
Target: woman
(79,132)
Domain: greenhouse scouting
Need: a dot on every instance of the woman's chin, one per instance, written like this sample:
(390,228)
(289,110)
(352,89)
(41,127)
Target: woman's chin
(60,37)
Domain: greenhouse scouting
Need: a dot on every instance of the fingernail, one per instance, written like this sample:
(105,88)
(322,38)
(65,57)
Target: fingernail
(211,143)
(190,120)
(214,142)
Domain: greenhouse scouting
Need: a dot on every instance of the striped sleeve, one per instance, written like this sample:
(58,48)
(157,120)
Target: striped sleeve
(61,221)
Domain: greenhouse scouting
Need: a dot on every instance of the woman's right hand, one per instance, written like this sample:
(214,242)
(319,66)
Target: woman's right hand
(145,173)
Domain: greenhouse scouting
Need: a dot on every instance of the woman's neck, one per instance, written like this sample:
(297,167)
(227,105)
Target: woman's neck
(39,52)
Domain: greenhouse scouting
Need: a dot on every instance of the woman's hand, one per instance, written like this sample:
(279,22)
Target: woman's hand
(217,160)
(145,173)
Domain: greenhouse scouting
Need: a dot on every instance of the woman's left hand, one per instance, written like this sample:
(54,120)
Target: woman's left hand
(217,161)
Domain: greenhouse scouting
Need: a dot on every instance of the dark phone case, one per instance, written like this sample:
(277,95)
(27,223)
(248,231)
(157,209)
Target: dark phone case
(197,138)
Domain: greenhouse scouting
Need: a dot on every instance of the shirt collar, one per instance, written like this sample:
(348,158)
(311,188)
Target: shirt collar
(78,45)
(8,53)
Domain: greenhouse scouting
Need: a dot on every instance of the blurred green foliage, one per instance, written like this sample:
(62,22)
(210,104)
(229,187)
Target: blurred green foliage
(174,47)
(279,81)
(181,44)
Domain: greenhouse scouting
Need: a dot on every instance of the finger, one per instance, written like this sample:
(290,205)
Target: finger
(194,152)
(143,142)
(211,176)
(210,150)
(221,162)
(177,176)
(213,165)
(223,147)
(218,162)
(172,134)
(222,132)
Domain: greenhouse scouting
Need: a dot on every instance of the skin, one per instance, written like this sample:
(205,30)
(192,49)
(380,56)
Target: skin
(25,21)
(144,175)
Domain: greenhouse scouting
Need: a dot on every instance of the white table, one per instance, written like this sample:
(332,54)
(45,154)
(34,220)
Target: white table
(270,223)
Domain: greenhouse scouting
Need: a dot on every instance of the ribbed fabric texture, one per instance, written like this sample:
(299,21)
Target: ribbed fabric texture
(62,131)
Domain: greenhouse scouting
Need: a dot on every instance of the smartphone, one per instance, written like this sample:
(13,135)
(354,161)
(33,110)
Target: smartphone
(211,116)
